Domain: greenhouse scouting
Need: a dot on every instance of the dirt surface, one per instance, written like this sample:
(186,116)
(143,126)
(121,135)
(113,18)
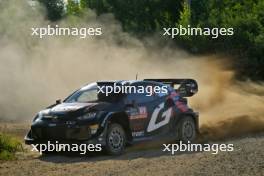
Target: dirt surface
(246,159)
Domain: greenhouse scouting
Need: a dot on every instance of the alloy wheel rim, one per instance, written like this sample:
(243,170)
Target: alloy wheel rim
(188,130)
(116,139)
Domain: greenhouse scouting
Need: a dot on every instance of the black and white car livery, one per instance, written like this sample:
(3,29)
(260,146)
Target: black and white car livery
(117,119)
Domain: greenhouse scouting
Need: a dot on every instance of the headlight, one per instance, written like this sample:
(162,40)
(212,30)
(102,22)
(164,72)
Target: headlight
(38,117)
(89,115)
(94,128)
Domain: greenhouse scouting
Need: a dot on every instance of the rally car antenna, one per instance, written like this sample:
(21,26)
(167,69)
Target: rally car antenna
(136,76)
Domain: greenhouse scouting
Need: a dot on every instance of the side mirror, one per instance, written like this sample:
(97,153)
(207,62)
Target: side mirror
(58,101)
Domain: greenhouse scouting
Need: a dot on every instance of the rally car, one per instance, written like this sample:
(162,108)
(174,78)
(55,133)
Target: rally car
(93,114)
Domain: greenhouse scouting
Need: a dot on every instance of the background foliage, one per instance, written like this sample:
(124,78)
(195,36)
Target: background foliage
(247,44)
(8,147)
(141,17)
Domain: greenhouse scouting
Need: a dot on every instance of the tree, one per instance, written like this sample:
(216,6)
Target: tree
(73,7)
(55,9)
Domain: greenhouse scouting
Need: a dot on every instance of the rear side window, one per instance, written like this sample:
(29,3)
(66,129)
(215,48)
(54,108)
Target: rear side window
(162,91)
(139,98)
(142,97)
(153,91)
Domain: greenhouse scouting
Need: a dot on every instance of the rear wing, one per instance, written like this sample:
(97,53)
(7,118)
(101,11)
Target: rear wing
(185,87)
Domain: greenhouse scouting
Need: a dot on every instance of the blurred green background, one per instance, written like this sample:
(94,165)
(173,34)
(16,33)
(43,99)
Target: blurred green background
(147,17)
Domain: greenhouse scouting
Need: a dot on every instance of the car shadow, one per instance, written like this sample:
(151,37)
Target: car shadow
(144,150)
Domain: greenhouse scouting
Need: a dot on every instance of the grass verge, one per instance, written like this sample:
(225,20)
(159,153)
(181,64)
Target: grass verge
(8,147)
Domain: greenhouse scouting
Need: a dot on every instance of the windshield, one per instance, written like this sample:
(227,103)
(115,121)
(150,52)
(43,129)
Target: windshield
(83,95)
(90,93)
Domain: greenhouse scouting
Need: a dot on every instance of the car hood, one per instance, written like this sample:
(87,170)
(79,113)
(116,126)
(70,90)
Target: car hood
(70,107)
(74,109)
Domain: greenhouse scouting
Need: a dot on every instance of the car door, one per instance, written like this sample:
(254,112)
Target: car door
(145,113)
(159,113)
(138,109)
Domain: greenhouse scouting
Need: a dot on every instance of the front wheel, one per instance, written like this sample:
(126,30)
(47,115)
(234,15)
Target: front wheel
(115,139)
(186,130)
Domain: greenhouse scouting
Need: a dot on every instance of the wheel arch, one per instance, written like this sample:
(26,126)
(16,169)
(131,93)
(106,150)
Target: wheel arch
(193,115)
(122,119)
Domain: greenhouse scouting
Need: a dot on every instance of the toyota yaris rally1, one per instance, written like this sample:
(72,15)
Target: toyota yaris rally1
(99,114)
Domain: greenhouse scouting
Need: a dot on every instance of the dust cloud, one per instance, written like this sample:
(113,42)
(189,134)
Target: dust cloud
(35,72)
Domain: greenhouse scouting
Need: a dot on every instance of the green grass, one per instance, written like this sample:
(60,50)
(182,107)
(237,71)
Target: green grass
(8,147)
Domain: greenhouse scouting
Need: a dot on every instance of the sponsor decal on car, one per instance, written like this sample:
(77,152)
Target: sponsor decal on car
(166,118)
(138,113)
(138,133)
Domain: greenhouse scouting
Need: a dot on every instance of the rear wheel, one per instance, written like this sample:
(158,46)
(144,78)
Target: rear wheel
(115,139)
(186,130)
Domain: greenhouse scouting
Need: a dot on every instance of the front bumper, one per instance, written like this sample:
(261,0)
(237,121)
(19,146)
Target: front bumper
(42,132)
(95,140)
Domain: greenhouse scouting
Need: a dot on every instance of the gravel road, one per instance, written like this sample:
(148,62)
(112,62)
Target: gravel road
(246,159)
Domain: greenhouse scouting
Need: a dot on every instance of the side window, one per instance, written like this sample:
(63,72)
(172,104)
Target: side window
(162,91)
(139,97)
(143,96)
(159,90)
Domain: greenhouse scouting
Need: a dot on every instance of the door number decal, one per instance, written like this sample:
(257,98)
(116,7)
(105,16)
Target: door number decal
(165,115)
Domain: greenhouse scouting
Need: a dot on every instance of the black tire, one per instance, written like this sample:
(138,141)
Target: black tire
(115,139)
(186,130)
